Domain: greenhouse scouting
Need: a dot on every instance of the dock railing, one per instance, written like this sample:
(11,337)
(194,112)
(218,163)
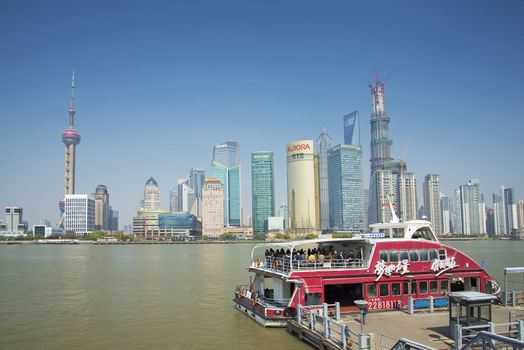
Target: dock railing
(430,303)
(510,330)
(493,341)
(514,298)
(317,319)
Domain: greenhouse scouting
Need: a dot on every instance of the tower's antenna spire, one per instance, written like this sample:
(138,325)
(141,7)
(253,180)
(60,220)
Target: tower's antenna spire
(72,106)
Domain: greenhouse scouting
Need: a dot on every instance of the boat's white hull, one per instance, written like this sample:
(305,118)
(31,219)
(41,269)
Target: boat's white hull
(265,322)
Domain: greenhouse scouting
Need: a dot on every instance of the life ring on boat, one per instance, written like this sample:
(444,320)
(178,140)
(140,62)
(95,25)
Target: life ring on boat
(275,265)
(520,299)
(258,262)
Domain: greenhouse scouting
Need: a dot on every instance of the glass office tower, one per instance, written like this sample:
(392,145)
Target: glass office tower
(226,168)
(262,189)
(346,201)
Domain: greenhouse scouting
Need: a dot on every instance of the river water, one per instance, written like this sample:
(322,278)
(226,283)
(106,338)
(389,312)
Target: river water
(150,296)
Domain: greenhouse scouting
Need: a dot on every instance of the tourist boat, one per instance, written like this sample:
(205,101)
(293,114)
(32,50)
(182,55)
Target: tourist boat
(385,267)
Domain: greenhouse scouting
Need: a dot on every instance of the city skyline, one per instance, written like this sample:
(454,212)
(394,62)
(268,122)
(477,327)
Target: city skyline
(452,100)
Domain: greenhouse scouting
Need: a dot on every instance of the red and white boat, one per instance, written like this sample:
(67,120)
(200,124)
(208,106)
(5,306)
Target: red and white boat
(384,268)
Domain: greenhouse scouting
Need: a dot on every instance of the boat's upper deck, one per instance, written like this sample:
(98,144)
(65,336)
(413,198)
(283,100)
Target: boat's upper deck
(284,257)
(336,253)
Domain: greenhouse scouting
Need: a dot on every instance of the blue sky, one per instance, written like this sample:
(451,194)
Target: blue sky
(159,83)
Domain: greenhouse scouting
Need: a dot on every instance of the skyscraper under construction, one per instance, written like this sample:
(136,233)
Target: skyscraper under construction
(380,147)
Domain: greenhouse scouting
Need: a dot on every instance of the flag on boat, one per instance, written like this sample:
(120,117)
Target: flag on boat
(483,263)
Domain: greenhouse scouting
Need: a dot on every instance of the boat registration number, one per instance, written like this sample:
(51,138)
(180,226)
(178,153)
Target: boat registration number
(386,304)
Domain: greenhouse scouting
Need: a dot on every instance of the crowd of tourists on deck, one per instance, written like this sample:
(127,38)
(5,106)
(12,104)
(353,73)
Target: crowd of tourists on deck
(317,258)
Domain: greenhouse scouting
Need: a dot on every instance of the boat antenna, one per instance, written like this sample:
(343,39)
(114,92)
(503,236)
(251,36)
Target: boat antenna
(394,217)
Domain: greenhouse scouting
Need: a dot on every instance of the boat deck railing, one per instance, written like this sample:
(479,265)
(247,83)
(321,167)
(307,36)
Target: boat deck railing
(248,292)
(285,265)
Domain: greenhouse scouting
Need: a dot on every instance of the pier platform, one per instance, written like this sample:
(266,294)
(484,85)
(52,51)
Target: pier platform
(422,327)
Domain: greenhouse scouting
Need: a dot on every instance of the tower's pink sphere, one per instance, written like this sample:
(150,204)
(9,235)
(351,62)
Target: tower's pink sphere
(71,137)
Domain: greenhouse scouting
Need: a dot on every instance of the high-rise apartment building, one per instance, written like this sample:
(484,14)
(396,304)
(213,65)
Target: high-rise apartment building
(301,191)
(196,181)
(432,201)
(173,199)
(186,197)
(445,213)
(407,192)
(472,209)
(212,208)
(380,147)
(351,129)
(262,190)
(151,199)
(397,167)
(324,143)
(511,209)
(384,193)
(520,214)
(457,213)
(79,214)
(499,212)
(102,208)
(226,168)
(346,205)
(14,222)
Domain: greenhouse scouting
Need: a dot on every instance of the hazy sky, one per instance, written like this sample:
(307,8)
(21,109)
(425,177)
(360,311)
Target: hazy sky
(158,83)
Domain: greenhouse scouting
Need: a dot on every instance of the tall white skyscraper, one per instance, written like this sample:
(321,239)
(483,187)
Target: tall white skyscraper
(432,201)
(324,143)
(151,200)
(445,213)
(385,194)
(408,196)
(472,209)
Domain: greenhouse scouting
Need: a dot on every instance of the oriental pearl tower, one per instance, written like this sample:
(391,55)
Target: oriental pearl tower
(71,138)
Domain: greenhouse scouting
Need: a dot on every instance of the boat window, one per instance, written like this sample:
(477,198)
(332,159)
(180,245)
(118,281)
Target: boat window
(424,233)
(433,286)
(444,286)
(405,287)
(395,288)
(413,255)
(424,255)
(384,289)
(372,290)
(404,255)
(442,254)
(383,254)
(413,287)
(393,256)
(423,287)
(398,233)
(433,254)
